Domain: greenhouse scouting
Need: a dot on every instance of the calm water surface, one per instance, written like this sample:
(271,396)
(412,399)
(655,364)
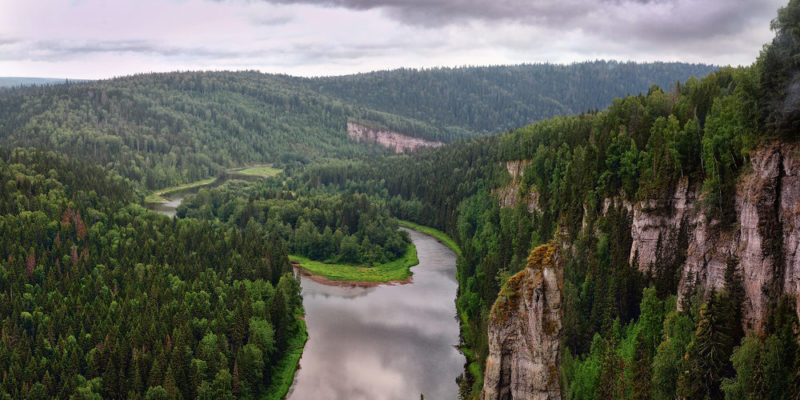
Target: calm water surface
(167,208)
(385,342)
(380,343)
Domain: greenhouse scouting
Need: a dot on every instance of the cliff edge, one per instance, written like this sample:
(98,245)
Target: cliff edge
(524,330)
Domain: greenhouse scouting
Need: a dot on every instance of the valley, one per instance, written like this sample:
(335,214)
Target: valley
(595,230)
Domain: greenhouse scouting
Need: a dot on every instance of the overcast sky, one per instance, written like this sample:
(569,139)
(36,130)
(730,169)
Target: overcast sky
(106,38)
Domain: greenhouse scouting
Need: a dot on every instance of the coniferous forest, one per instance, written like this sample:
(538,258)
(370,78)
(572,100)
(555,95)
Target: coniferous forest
(102,298)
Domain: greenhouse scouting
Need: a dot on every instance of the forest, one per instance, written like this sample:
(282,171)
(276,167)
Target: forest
(101,298)
(159,130)
(340,228)
(625,335)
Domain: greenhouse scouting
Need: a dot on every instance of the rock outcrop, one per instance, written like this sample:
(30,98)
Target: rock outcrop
(764,240)
(398,142)
(524,330)
(510,195)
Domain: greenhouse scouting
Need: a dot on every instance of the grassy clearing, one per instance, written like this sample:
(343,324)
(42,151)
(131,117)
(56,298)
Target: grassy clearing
(261,170)
(447,240)
(157,196)
(396,270)
(283,373)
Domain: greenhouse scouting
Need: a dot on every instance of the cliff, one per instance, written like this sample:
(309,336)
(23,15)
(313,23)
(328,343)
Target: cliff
(510,195)
(763,241)
(524,329)
(398,142)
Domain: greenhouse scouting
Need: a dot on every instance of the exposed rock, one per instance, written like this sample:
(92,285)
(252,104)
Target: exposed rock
(398,142)
(524,330)
(765,239)
(659,220)
(510,195)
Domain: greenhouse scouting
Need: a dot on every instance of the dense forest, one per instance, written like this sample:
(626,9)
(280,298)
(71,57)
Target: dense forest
(101,298)
(163,129)
(625,335)
(339,228)
(487,100)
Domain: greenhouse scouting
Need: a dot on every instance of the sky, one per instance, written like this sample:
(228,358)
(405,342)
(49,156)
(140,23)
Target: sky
(95,39)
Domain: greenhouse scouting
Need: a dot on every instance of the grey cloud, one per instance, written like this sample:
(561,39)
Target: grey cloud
(271,20)
(51,49)
(8,41)
(652,20)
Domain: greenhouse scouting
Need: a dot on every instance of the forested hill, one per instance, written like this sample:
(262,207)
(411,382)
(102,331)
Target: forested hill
(169,128)
(676,215)
(487,100)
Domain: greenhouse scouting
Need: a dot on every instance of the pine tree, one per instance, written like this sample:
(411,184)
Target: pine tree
(279,319)
(611,383)
(642,373)
(709,354)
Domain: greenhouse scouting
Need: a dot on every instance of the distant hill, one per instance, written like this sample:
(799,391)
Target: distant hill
(487,100)
(10,81)
(167,128)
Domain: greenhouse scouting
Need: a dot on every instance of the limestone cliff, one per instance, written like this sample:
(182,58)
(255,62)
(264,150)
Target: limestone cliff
(510,195)
(764,241)
(524,329)
(398,142)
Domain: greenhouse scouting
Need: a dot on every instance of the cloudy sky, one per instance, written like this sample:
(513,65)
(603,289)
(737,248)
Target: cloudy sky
(106,38)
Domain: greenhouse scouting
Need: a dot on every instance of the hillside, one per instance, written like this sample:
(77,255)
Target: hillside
(676,215)
(489,100)
(170,128)
(12,81)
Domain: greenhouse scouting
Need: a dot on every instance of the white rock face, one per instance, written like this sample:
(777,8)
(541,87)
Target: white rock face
(765,239)
(396,141)
(524,331)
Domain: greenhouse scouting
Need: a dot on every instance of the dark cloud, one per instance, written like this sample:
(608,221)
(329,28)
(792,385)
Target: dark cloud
(658,20)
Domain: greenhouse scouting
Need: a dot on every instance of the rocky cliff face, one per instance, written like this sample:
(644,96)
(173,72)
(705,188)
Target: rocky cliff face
(510,194)
(396,141)
(524,329)
(763,242)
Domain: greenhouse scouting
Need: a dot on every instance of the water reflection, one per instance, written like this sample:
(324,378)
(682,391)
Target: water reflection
(386,342)
(167,208)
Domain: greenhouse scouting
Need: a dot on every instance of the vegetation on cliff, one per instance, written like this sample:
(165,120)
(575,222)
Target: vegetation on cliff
(584,169)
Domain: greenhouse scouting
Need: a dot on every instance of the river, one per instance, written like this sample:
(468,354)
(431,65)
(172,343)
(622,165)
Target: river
(384,342)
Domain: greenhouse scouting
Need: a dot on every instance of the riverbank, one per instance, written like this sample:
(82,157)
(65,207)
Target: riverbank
(264,171)
(441,236)
(158,195)
(394,271)
(283,374)
(255,172)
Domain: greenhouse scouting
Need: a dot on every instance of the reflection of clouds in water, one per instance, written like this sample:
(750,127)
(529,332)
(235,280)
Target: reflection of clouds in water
(387,342)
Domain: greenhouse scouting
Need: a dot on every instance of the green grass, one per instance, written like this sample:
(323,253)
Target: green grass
(447,240)
(396,270)
(261,170)
(283,373)
(157,196)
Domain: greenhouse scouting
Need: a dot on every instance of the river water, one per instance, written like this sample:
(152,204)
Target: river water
(380,343)
(384,342)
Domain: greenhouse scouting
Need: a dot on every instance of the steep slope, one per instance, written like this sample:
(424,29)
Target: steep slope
(524,331)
